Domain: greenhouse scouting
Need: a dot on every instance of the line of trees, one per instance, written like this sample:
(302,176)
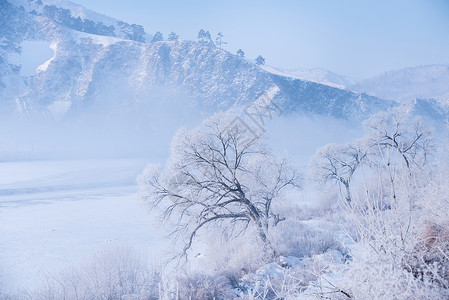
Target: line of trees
(396,212)
(205,37)
(64,17)
(158,37)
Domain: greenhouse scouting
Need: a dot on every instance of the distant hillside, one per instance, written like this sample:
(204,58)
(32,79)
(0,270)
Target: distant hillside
(318,75)
(418,82)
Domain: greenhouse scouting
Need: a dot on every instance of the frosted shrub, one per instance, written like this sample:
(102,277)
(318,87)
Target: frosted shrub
(203,286)
(234,257)
(115,273)
(398,254)
(430,257)
(296,238)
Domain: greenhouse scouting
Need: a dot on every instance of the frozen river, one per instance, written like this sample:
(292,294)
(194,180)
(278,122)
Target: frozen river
(55,214)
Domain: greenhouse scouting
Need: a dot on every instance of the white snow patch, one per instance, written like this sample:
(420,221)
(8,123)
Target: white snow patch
(43,67)
(291,262)
(275,71)
(273,91)
(96,39)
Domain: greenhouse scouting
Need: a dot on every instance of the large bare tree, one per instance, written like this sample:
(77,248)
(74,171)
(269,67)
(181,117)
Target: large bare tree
(219,176)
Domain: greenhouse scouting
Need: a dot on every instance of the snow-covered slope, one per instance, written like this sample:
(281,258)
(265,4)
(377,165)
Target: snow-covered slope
(430,81)
(77,17)
(130,72)
(90,68)
(318,75)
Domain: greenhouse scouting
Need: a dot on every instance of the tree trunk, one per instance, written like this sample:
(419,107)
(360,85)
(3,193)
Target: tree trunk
(348,192)
(263,236)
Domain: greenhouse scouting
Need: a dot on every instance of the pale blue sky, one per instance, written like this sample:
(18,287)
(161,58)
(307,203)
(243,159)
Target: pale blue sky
(351,37)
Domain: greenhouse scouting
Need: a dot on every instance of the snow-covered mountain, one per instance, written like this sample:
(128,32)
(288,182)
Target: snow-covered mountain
(98,63)
(430,81)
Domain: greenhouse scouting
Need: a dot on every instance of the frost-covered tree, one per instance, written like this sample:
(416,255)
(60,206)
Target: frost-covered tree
(335,165)
(173,36)
(201,34)
(397,250)
(219,40)
(240,53)
(395,132)
(260,61)
(221,177)
(132,32)
(391,138)
(158,37)
(399,143)
(204,36)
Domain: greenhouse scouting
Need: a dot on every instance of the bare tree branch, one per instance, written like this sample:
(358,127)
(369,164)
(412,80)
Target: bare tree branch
(215,175)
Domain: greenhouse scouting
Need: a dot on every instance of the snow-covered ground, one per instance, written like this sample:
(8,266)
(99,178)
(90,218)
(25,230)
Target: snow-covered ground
(56,214)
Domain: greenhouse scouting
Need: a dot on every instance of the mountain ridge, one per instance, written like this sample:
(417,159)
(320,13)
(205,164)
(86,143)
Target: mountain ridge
(79,18)
(90,69)
(425,81)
